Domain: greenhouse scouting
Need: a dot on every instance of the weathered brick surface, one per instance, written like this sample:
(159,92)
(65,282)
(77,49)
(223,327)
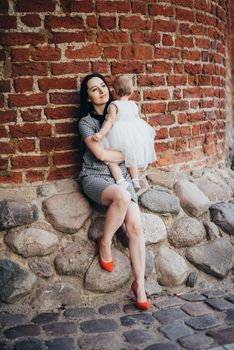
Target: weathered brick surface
(175,50)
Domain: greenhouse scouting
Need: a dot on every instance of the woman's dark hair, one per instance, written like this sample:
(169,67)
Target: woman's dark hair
(86,106)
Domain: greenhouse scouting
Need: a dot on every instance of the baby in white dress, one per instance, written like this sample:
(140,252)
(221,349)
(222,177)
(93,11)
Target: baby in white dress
(125,131)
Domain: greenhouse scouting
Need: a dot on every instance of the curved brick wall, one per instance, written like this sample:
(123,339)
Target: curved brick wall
(175,50)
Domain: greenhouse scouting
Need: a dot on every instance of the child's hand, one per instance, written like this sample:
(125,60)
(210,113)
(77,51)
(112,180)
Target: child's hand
(97,137)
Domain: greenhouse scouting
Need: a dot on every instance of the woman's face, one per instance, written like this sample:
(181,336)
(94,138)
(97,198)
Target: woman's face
(98,92)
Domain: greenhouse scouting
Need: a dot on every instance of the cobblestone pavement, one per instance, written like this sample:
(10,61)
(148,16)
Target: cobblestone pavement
(195,320)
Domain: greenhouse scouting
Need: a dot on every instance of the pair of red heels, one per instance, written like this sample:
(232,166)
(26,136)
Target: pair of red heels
(142,305)
(106,265)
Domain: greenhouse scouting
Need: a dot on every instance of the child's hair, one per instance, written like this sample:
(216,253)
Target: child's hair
(123,85)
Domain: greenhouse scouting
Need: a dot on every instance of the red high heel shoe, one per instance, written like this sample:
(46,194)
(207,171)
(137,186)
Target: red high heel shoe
(142,305)
(106,265)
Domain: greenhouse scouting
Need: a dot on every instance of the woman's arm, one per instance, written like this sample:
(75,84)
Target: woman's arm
(102,154)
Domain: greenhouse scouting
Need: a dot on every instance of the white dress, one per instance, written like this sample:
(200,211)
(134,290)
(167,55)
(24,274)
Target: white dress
(131,135)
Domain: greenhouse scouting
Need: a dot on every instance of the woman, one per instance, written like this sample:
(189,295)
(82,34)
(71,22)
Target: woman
(100,187)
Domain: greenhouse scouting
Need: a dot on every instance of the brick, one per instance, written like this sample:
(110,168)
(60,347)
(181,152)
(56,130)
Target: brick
(167,40)
(191,55)
(91,22)
(23,84)
(28,162)
(184,42)
(3,132)
(2,55)
(22,100)
(26,146)
(111,52)
(107,22)
(193,68)
(31,20)
(164,26)
(14,39)
(64,172)
(64,98)
(185,15)
(146,37)
(162,133)
(112,37)
(4,6)
(139,7)
(20,55)
(168,53)
(46,54)
(68,22)
(3,165)
(159,67)
(85,6)
(153,107)
(31,115)
(175,80)
(101,67)
(137,52)
(1,100)
(71,68)
(134,22)
(30,130)
(61,327)
(5,85)
(35,175)
(185,3)
(63,158)
(147,80)
(58,143)
(194,92)
(11,177)
(35,6)
(161,10)
(156,94)
(91,51)
(61,37)
(182,157)
(57,83)
(125,67)
(196,116)
(6,148)
(8,116)
(32,68)
(8,22)
(113,6)
(178,106)
(61,112)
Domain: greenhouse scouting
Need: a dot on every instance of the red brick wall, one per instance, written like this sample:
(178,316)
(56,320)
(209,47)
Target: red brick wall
(175,49)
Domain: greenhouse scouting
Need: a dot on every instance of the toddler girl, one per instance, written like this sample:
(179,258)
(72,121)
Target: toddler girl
(125,131)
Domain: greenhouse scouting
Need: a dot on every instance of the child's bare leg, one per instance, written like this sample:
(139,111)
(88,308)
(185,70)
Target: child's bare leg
(135,177)
(117,175)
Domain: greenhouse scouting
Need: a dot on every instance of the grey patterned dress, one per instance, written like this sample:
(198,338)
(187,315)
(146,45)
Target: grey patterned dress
(95,175)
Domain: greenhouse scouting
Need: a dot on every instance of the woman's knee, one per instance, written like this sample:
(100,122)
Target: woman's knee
(134,228)
(122,198)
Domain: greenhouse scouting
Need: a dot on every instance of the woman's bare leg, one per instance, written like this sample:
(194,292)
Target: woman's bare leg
(136,248)
(118,201)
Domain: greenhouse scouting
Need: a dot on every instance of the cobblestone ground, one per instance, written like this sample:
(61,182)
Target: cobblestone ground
(195,320)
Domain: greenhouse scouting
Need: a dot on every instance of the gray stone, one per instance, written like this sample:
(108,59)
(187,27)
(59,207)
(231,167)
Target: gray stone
(56,295)
(15,282)
(149,262)
(222,336)
(75,258)
(230,298)
(27,330)
(29,345)
(98,341)
(213,257)
(109,309)
(6,346)
(46,190)
(19,193)
(41,268)
(16,213)
(196,309)
(220,304)
(163,178)
(99,325)
(99,280)
(203,322)
(46,317)
(192,297)
(67,212)
(61,344)
(229,346)
(176,330)
(212,230)
(192,279)
(186,232)
(215,293)
(222,214)
(32,242)
(153,228)
(196,341)
(212,190)
(171,268)
(161,346)
(67,186)
(96,229)
(61,327)
(230,316)
(79,312)
(168,301)
(142,318)
(138,336)
(160,202)
(7,320)
(152,287)
(169,315)
(192,199)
